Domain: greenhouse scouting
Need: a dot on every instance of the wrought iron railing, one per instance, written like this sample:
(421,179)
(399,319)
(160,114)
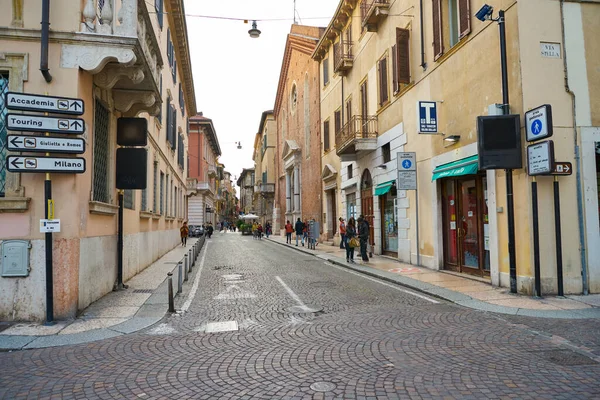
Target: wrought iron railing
(342,53)
(359,127)
(366,7)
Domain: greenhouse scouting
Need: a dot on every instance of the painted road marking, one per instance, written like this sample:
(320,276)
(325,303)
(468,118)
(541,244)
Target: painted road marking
(221,326)
(294,296)
(192,294)
(385,283)
(234,292)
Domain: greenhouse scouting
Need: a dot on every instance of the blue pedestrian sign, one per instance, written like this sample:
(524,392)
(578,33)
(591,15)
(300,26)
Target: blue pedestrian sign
(427,120)
(538,123)
(406,164)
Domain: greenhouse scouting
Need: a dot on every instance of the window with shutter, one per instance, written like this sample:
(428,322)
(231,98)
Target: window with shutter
(174,71)
(364,109)
(326,136)
(348,109)
(325,71)
(158,7)
(174,128)
(337,121)
(395,84)
(159,116)
(181,100)
(383,82)
(438,40)
(464,13)
(169,120)
(403,54)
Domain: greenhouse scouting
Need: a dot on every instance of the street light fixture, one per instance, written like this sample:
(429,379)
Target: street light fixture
(254,32)
(485,14)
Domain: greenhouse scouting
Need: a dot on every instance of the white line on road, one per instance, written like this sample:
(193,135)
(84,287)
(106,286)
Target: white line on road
(190,297)
(384,283)
(291,292)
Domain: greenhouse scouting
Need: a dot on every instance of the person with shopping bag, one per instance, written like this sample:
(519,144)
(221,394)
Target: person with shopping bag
(352,241)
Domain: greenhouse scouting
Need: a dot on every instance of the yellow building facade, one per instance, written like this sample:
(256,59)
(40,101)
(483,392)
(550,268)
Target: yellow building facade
(122,58)
(380,58)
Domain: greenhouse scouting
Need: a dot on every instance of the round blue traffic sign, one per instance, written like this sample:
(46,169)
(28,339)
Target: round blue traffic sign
(406,164)
(536,127)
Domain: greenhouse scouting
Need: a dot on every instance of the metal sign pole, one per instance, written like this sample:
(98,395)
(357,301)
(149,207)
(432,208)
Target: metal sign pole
(49,214)
(417,221)
(120,242)
(557,229)
(536,238)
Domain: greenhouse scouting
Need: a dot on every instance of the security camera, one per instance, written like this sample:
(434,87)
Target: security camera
(484,13)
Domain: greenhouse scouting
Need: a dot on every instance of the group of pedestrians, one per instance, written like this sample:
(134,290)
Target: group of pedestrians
(258,230)
(353,236)
(302,230)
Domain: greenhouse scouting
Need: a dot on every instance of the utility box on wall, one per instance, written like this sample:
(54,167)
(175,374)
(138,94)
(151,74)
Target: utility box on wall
(15,258)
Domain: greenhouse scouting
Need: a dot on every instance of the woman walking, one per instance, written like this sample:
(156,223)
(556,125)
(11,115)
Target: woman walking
(350,234)
(288,232)
(184,231)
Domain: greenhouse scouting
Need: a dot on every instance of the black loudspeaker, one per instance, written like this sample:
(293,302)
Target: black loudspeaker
(132,166)
(132,131)
(499,142)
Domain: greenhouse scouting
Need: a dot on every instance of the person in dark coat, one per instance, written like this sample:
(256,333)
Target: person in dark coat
(209,230)
(350,233)
(299,227)
(363,235)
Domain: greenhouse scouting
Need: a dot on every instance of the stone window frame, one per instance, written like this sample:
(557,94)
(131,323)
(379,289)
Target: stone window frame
(17,65)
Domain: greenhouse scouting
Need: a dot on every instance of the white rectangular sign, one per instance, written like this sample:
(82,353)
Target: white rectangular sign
(45,164)
(49,225)
(45,144)
(38,123)
(538,123)
(540,158)
(39,103)
(550,50)
(407,180)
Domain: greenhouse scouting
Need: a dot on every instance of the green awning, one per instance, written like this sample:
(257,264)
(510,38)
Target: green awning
(383,188)
(466,166)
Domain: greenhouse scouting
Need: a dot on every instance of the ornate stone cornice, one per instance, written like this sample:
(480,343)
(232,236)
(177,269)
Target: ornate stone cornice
(340,19)
(125,99)
(176,16)
(112,73)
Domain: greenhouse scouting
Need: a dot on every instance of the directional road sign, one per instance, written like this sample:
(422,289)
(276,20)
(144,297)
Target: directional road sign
(562,168)
(38,123)
(45,164)
(39,103)
(44,144)
(538,123)
(540,158)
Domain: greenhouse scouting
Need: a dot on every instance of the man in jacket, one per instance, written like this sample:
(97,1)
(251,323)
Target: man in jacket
(299,234)
(363,235)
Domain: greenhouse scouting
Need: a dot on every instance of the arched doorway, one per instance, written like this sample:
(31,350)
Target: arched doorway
(366,202)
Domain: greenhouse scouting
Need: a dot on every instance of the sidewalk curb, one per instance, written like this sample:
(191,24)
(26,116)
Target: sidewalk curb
(148,317)
(449,295)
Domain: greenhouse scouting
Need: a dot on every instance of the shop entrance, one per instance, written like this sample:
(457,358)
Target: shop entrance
(366,202)
(465,225)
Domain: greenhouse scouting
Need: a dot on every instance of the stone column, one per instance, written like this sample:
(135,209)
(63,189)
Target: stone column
(288,193)
(296,188)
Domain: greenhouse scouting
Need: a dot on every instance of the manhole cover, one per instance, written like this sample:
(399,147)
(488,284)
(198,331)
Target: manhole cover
(323,386)
(323,285)
(143,291)
(565,357)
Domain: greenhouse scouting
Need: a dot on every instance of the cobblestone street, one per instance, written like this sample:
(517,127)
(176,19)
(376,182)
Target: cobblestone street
(258,320)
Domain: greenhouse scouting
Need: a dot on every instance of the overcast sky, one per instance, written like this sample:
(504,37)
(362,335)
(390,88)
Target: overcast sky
(235,76)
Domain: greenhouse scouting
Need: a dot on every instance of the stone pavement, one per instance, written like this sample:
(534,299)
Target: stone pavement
(473,292)
(144,303)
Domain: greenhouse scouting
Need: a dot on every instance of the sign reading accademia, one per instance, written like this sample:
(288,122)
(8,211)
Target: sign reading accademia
(45,164)
(39,103)
(427,117)
(38,123)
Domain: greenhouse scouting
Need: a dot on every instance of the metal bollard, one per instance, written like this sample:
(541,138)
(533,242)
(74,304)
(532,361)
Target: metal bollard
(180,278)
(190,261)
(192,257)
(186,268)
(171,301)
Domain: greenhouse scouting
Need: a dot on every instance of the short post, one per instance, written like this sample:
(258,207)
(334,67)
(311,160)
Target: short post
(171,300)
(557,229)
(190,261)
(180,278)
(185,260)
(536,239)
(191,253)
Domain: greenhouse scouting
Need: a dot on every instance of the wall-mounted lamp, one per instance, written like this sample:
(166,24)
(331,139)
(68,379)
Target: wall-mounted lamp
(382,166)
(239,145)
(254,32)
(452,139)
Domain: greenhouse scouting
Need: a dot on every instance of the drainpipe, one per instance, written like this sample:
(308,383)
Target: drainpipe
(44,50)
(580,211)
(423,64)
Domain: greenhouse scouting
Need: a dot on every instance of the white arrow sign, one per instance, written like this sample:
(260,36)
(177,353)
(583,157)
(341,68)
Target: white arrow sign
(46,164)
(45,144)
(39,103)
(35,123)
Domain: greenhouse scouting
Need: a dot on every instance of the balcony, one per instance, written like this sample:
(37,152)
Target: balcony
(373,12)
(212,171)
(357,136)
(342,57)
(117,45)
(195,187)
(265,189)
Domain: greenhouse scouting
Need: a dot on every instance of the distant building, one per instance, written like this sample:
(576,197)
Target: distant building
(264,165)
(246,184)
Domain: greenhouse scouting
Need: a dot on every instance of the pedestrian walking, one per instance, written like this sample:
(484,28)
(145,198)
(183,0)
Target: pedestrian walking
(260,231)
(343,240)
(350,235)
(288,232)
(184,231)
(299,228)
(363,235)
(209,230)
(267,229)
(305,233)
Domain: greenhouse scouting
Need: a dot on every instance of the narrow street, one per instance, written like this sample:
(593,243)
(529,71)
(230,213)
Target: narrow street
(258,320)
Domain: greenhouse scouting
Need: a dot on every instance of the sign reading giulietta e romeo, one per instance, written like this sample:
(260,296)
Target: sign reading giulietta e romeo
(39,103)
(46,164)
(39,123)
(45,144)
